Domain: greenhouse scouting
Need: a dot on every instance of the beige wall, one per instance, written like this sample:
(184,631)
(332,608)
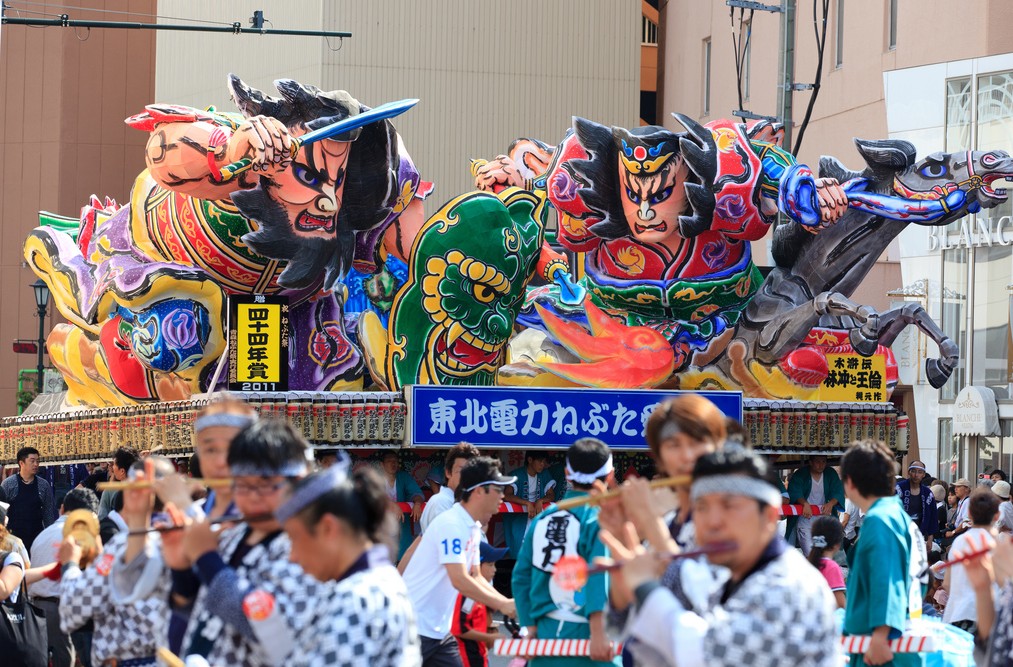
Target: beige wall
(63,98)
(851,99)
(485,72)
(850,102)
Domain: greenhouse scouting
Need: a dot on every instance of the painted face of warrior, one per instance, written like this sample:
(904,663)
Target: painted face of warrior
(652,201)
(311,189)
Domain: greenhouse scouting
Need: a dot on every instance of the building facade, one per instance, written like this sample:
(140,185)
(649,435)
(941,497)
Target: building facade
(63,96)
(486,73)
(887,71)
(964,271)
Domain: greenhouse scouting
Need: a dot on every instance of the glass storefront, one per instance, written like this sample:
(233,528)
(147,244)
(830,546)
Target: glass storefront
(949,452)
(996,452)
(954,315)
(979,115)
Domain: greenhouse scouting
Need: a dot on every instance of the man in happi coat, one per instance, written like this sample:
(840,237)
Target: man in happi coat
(756,603)
(815,486)
(555,613)
(919,502)
(880,580)
(534,488)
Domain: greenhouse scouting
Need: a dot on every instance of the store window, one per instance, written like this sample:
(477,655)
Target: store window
(996,451)
(993,270)
(949,452)
(995,124)
(958,123)
(954,313)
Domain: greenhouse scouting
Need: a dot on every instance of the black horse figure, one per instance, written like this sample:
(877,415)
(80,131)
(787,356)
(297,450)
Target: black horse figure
(815,274)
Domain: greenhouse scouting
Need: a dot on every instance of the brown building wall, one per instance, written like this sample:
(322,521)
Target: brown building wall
(851,101)
(63,97)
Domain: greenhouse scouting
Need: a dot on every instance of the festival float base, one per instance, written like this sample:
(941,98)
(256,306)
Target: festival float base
(399,420)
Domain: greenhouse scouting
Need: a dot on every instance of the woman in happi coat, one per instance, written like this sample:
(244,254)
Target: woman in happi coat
(252,600)
(341,531)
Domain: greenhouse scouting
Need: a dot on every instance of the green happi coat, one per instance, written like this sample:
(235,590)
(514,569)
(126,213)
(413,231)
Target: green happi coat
(879,582)
(801,483)
(559,614)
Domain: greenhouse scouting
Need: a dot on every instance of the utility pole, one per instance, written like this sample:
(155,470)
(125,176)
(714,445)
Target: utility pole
(786,66)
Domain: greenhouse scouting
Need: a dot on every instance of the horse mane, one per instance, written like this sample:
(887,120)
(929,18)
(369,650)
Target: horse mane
(883,158)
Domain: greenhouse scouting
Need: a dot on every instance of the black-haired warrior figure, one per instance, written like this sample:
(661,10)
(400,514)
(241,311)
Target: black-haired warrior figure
(666,219)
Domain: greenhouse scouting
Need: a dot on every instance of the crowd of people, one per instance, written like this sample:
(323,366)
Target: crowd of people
(278,560)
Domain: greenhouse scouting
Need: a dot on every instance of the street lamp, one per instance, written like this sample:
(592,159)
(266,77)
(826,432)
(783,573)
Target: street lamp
(42,303)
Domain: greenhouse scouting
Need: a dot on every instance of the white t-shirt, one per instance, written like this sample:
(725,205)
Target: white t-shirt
(452,537)
(435,506)
(816,492)
(44,550)
(855,516)
(532,488)
(961,605)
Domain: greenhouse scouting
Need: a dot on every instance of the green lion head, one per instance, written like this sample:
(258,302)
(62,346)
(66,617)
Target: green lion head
(468,272)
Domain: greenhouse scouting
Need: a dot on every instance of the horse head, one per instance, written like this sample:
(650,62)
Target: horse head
(936,190)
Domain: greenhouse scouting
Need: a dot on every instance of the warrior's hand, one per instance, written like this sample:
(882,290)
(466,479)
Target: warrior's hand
(833,201)
(495,175)
(265,141)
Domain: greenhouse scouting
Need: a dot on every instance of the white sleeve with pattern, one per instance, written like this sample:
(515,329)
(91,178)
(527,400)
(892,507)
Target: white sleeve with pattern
(84,596)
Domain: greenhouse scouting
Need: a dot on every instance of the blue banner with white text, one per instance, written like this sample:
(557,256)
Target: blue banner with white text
(530,417)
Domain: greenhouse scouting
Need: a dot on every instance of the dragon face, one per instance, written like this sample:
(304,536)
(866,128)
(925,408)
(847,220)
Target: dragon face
(974,173)
(467,278)
(473,303)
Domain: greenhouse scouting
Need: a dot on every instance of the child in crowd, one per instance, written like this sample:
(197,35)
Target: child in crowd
(827,538)
(472,624)
(961,606)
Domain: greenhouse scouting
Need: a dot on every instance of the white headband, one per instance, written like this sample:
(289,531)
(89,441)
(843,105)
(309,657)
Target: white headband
(319,484)
(916,467)
(736,485)
(588,478)
(288,469)
(222,419)
(668,430)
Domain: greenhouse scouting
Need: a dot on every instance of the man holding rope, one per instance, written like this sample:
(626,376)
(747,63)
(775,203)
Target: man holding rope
(447,560)
(763,607)
(548,610)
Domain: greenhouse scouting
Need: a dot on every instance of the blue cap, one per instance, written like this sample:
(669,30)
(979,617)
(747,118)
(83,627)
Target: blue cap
(490,554)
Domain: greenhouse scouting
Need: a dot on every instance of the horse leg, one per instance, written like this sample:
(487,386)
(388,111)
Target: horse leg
(937,370)
(784,332)
(864,339)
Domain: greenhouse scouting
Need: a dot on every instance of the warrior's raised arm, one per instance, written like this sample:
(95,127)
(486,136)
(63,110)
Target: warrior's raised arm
(187,148)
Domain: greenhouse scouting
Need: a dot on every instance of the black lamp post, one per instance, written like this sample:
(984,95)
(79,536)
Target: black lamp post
(42,303)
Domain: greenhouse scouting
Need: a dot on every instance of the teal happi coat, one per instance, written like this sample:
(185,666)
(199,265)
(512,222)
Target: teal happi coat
(801,483)
(407,489)
(559,614)
(516,523)
(879,581)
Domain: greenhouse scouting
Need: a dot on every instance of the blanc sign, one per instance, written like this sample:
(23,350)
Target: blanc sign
(983,232)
